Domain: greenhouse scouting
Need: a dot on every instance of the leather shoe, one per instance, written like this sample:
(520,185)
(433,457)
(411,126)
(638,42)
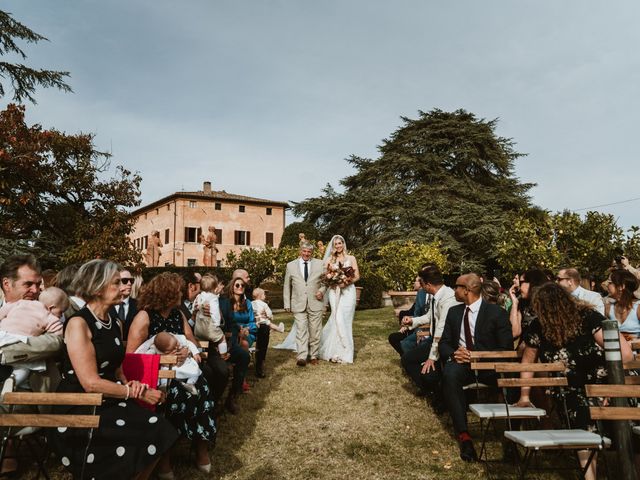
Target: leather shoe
(467,452)
(232,404)
(314,361)
(301,363)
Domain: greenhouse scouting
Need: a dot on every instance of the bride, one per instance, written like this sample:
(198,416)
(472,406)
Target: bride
(336,344)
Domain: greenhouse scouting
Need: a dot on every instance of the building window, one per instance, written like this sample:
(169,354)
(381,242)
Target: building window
(166,236)
(269,211)
(166,264)
(145,216)
(269,239)
(192,204)
(191,262)
(145,241)
(217,206)
(241,208)
(242,237)
(168,206)
(218,232)
(157,211)
(192,234)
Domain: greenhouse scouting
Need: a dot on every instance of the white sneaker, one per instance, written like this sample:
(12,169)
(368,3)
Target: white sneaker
(280,328)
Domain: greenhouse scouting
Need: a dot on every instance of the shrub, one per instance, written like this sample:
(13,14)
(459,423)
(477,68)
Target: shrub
(400,262)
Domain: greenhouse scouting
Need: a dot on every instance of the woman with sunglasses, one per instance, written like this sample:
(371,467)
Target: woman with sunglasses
(521,292)
(240,324)
(625,307)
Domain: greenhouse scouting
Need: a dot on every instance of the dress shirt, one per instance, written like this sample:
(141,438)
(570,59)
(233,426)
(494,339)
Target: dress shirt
(125,302)
(592,298)
(474,308)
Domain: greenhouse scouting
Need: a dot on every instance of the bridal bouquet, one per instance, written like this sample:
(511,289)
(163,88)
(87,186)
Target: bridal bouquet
(337,274)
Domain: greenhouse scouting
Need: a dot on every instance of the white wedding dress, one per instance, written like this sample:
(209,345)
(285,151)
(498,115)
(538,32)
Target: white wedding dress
(336,343)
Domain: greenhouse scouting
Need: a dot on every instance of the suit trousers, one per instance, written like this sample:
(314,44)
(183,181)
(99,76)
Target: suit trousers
(412,362)
(216,371)
(308,332)
(454,377)
(395,340)
(240,359)
(262,344)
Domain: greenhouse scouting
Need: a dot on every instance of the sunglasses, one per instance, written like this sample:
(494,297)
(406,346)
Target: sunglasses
(561,278)
(126,280)
(459,285)
(239,285)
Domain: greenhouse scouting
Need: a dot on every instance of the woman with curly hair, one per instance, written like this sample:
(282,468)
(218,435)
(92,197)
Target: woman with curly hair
(191,415)
(568,331)
(625,307)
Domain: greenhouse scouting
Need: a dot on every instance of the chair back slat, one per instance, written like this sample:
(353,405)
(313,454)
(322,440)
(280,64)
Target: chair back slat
(483,365)
(31,398)
(632,380)
(533,382)
(168,359)
(614,413)
(632,365)
(493,354)
(164,374)
(615,391)
(530,367)
(48,421)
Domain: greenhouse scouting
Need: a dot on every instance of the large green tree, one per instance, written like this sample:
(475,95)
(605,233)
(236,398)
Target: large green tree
(24,79)
(444,176)
(54,199)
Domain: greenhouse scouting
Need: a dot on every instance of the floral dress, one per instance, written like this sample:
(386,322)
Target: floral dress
(128,437)
(191,414)
(584,360)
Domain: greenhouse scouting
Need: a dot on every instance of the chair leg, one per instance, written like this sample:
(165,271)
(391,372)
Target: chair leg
(525,462)
(484,430)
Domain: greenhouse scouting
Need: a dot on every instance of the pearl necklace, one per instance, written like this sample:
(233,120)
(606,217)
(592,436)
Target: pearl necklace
(101,323)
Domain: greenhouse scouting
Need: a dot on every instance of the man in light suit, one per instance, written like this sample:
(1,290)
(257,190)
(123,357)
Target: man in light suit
(303,294)
(569,279)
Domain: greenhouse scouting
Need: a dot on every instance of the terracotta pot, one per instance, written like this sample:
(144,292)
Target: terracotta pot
(402,300)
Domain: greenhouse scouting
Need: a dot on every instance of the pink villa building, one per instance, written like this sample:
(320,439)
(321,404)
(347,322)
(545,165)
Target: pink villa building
(182,218)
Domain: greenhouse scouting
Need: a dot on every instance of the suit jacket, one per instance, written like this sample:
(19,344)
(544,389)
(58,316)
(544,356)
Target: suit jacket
(300,296)
(133,310)
(492,330)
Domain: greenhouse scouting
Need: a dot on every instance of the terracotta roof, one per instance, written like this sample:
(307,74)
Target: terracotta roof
(214,195)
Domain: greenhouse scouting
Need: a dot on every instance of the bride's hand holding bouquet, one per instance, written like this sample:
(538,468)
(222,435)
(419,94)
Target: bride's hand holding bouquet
(338,275)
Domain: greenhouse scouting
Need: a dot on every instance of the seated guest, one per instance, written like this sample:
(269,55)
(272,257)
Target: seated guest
(475,325)
(130,439)
(569,279)
(405,317)
(569,332)
(128,307)
(521,292)
(422,362)
(624,307)
(239,324)
(63,280)
(191,414)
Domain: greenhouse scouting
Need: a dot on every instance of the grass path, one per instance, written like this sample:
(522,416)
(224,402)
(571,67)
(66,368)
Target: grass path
(337,421)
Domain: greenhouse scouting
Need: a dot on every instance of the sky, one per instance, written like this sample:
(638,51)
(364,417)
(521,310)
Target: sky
(267,98)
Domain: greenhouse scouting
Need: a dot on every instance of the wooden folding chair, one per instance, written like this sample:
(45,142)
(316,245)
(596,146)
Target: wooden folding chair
(489,412)
(204,348)
(24,427)
(615,412)
(534,441)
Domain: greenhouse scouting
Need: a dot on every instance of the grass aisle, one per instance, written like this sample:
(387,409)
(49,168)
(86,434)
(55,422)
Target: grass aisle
(337,421)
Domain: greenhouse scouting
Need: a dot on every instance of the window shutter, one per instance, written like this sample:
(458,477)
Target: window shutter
(186,234)
(248,238)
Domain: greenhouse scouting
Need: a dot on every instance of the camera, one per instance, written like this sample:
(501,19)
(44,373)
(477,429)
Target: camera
(618,259)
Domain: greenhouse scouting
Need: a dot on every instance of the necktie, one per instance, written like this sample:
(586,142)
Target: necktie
(468,339)
(121,314)
(306,271)
(432,327)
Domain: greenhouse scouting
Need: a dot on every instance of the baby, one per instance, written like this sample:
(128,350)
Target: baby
(208,326)
(262,312)
(165,344)
(31,318)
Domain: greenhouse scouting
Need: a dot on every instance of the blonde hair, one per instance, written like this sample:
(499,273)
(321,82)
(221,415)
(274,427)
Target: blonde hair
(208,283)
(54,296)
(257,292)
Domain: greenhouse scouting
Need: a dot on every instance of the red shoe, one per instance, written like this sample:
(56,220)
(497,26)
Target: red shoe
(245,386)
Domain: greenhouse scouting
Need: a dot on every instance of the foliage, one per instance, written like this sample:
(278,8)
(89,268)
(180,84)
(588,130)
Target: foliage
(564,240)
(260,263)
(400,262)
(290,235)
(24,80)
(223,273)
(373,286)
(52,197)
(443,176)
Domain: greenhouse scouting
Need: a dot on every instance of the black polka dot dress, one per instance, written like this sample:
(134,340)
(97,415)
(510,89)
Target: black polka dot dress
(128,438)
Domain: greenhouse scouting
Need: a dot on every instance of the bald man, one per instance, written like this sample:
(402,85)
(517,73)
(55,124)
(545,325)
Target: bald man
(474,325)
